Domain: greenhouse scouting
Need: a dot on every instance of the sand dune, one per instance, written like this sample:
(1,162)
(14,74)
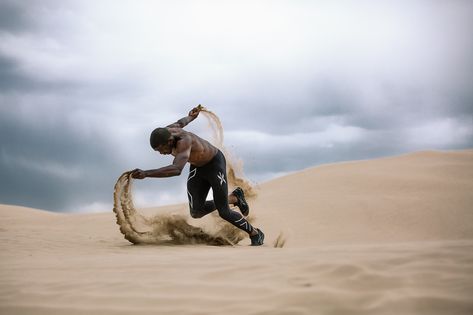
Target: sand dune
(385,236)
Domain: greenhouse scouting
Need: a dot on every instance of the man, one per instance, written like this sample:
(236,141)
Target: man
(207,170)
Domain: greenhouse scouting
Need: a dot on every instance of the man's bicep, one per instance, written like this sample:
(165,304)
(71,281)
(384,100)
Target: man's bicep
(181,159)
(183,153)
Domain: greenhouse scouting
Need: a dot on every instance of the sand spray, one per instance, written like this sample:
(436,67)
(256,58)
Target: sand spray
(173,228)
(166,228)
(234,165)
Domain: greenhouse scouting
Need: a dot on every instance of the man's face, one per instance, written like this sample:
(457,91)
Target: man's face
(164,148)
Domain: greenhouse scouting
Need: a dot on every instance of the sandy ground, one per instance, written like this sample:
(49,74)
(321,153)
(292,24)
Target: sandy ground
(386,236)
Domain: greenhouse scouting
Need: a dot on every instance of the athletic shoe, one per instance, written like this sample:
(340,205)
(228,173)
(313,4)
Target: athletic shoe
(241,202)
(258,239)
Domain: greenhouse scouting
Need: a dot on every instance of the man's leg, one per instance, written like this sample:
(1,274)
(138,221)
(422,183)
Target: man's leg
(218,180)
(197,191)
(235,218)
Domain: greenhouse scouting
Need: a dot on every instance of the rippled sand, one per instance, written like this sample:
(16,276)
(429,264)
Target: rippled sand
(387,236)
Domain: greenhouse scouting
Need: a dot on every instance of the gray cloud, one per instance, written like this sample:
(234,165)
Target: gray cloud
(81,87)
(50,164)
(14,17)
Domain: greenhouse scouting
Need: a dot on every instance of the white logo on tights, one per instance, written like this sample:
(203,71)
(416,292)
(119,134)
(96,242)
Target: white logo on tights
(221,176)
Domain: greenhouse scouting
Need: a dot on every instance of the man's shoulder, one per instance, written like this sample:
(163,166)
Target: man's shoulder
(184,137)
(179,132)
(174,129)
(184,134)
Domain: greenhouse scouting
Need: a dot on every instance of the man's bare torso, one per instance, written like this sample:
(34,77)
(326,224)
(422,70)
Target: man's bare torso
(201,152)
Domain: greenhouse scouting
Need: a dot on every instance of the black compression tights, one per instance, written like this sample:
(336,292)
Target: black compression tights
(213,175)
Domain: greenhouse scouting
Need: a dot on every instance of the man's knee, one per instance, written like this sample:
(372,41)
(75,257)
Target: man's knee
(198,210)
(196,215)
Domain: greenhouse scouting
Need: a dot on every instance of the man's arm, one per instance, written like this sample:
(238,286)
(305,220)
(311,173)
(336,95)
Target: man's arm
(175,169)
(181,123)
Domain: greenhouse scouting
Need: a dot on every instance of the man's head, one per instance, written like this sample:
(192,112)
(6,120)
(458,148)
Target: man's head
(161,140)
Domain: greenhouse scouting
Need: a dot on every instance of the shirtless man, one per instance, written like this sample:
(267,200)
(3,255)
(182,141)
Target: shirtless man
(207,169)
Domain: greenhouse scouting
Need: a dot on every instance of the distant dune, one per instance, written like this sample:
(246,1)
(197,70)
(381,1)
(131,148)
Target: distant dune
(384,236)
(414,197)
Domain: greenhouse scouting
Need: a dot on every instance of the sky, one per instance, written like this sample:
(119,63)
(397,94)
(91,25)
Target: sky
(295,83)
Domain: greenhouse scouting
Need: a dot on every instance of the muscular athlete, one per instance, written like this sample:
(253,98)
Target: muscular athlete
(207,170)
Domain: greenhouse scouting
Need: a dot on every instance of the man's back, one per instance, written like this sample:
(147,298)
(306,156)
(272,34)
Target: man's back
(202,151)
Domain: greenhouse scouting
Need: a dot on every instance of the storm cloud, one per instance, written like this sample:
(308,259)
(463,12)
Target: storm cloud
(295,83)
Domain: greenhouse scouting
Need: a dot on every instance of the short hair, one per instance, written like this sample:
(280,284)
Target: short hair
(159,136)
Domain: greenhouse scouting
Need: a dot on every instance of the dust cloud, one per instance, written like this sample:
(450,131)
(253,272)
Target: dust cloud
(164,228)
(234,165)
(172,228)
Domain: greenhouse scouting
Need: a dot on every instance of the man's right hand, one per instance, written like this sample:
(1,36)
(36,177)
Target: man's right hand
(195,111)
(138,174)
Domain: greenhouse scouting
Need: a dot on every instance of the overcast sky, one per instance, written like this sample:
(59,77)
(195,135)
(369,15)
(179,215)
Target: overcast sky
(295,83)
